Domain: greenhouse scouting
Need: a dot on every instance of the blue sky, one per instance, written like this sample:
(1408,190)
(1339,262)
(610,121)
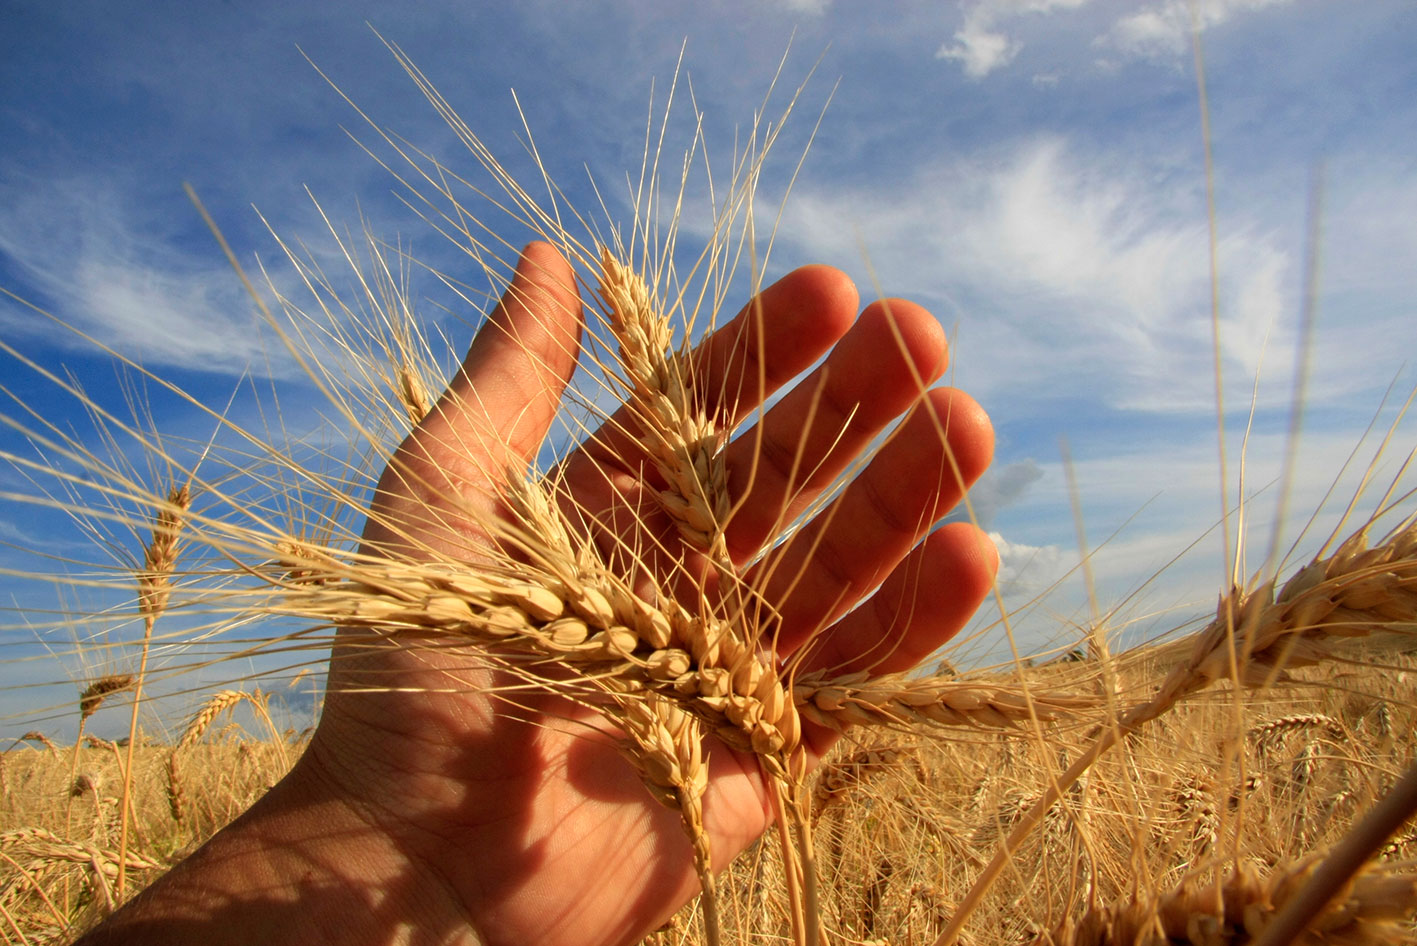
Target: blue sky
(1031,171)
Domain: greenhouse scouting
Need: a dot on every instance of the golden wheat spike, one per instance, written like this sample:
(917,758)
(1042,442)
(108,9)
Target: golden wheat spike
(94,695)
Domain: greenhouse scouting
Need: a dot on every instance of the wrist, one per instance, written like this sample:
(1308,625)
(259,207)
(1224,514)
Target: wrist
(301,865)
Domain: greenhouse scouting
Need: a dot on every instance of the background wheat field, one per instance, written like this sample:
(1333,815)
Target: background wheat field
(1189,703)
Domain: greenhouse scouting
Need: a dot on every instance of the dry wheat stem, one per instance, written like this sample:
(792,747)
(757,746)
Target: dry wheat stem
(90,699)
(154,589)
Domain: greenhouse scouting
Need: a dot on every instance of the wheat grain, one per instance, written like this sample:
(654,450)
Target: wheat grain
(684,443)
(1267,735)
(41,738)
(101,689)
(859,699)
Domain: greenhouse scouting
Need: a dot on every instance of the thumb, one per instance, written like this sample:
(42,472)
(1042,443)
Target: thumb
(511,381)
(438,491)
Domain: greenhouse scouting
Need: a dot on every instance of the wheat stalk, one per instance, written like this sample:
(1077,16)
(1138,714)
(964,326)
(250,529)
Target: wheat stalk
(154,590)
(91,698)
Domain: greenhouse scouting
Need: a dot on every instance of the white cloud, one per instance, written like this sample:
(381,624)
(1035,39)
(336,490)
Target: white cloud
(985,41)
(1163,30)
(981,46)
(1029,569)
(980,49)
(1001,486)
(811,7)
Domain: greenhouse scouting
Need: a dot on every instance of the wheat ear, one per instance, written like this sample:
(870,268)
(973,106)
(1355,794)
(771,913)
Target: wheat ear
(898,700)
(101,689)
(91,698)
(686,446)
(1267,735)
(1354,592)
(682,441)
(222,702)
(38,842)
(665,745)
(663,741)
(32,736)
(35,735)
(1337,874)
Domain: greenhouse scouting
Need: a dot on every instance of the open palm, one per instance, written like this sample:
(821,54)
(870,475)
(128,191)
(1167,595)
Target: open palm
(520,806)
(439,803)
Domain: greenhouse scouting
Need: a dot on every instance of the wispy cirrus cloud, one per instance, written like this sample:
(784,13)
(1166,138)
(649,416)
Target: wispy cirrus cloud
(89,257)
(1073,262)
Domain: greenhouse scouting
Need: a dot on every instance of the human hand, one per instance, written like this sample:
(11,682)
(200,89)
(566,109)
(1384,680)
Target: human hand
(536,824)
(436,801)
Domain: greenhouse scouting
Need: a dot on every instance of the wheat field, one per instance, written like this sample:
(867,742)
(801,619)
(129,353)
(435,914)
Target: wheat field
(1206,788)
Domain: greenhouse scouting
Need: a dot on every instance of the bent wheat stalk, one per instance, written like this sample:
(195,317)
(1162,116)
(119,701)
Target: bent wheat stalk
(1313,903)
(1355,591)
(1247,907)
